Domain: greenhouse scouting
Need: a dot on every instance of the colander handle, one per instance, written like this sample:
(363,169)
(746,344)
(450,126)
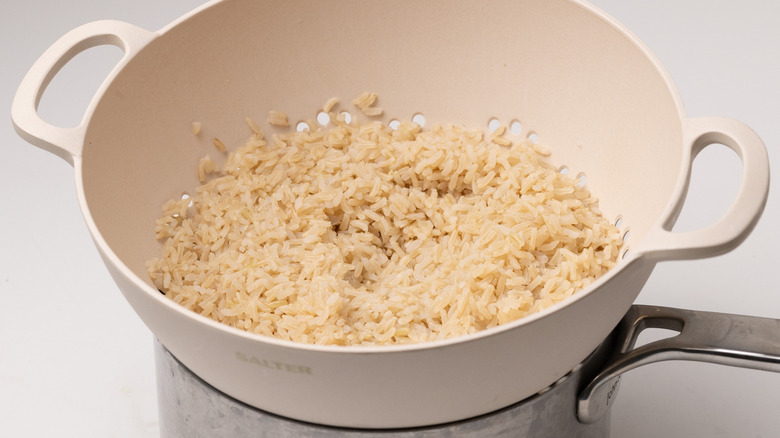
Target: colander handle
(67,142)
(737,223)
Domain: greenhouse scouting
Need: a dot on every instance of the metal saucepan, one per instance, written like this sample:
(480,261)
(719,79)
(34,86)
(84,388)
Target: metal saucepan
(571,75)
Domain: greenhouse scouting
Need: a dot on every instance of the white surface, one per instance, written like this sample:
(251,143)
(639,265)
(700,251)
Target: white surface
(76,361)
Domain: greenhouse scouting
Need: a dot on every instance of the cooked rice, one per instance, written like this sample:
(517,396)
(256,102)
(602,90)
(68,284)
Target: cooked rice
(254,126)
(278,118)
(365,103)
(330,104)
(219,145)
(205,167)
(361,234)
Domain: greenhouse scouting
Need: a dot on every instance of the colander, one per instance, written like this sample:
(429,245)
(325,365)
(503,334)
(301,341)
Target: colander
(557,71)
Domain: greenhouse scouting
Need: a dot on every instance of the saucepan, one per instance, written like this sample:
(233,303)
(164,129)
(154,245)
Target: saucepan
(575,79)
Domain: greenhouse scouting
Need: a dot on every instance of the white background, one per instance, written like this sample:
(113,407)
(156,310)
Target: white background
(75,361)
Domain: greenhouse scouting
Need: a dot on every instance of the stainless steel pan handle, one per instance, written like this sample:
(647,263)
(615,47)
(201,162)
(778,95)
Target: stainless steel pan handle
(735,340)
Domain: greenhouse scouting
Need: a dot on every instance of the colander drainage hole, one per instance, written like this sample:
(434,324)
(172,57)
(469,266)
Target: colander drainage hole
(419,119)
(581,180)
(394,124)
(347,117)
(625,239)
(515,127)
(563,170)
(533,137)
(323,118)
(493,124)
